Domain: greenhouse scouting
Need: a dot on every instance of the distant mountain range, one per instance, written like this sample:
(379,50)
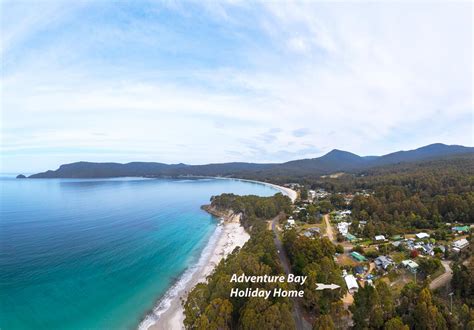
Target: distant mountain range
(334,161)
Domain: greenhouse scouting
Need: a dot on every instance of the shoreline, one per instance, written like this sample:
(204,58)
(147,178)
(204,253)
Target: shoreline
(286,191)
(229,234)
(169,313)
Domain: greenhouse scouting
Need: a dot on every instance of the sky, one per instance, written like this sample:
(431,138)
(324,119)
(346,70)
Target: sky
(202,82)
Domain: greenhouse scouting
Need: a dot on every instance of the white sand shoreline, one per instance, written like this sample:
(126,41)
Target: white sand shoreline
(169,314)
(286,191)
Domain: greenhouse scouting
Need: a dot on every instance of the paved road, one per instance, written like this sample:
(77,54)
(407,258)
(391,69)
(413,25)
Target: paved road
(300,321)
(444,278)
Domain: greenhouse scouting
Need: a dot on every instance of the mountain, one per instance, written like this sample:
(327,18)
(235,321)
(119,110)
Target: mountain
(429,151)
(334,161)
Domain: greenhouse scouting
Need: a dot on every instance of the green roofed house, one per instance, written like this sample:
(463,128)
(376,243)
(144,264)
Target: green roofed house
(396,237)
(358,257)
(461,229)
(350,237)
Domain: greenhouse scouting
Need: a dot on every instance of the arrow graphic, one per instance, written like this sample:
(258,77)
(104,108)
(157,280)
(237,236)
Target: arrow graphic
(321,286)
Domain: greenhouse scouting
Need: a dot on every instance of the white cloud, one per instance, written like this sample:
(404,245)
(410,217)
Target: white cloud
(368,78)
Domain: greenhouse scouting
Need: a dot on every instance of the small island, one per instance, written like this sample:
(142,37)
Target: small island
(21,176)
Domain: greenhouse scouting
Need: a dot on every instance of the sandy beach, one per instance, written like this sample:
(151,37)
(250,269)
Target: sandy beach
(230,235)
(169,314)
(286,191)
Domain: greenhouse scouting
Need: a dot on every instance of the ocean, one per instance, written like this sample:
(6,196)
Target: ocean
(99,253)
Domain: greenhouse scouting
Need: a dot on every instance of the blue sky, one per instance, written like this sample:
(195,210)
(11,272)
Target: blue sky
(201,82)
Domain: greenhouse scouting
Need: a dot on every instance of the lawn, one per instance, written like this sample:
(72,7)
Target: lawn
(345,260)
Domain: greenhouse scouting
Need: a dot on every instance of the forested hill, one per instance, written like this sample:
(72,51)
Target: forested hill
(334,161)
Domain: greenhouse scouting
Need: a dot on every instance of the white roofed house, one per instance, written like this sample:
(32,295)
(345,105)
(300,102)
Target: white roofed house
(422,235)
(290,223)
(343,227)
(351,283)
(380,238)
(460,244)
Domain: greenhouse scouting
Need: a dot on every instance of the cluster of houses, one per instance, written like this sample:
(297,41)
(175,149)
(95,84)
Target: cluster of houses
(384,263)
(423,244)
(381,263)
(342,215)
(317,194)
(343,223)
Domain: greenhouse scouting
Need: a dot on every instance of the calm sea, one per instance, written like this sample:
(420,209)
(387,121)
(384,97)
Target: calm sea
(97,254)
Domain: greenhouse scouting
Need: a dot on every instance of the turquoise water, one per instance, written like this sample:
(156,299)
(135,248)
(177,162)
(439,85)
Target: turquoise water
(97,254)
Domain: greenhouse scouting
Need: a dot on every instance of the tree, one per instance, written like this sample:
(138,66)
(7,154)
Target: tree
(218,313)
(303,193)
(429,265)
(414,254)
(324,322)
(338,201)
(395,324)
(259,313)
(463,282)
(366,300)
(426,315)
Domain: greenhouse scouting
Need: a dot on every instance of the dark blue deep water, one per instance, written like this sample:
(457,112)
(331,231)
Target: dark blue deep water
(97,254)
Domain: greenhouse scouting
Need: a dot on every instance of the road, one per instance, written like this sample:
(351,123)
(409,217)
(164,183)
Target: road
(329,230)
(444,278)
(300,321)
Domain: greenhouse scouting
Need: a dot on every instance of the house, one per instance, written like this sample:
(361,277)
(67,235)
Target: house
(396,243)
(291,221)
(422,235)
(461,229)
(312,194)
(350,237)
(460,244)
(358,257)
(312,232)
(410,265)
(315,230)
(383,262)
(343,227)
(359,270)
(351,283)
(380,238)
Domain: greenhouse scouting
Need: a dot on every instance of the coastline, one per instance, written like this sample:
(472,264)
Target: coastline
(286,191)
(229,234)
